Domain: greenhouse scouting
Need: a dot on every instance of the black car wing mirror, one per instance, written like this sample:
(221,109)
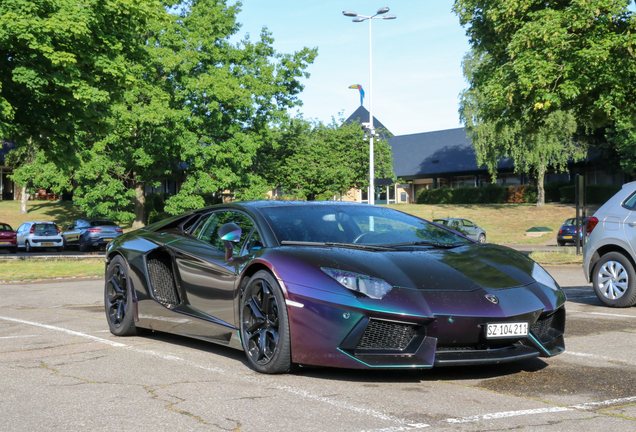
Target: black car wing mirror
(229,234)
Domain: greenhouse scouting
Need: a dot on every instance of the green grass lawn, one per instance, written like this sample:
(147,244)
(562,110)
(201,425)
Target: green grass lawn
(62,213)
(504,223)
(15,270)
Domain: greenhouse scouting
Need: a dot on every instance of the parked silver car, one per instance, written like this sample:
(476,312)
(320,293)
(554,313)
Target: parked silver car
(609,253)
(88,233)
(39,235)
(464,226)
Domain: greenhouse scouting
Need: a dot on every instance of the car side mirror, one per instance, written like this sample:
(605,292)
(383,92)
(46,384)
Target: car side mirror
(70,227)
(229,234)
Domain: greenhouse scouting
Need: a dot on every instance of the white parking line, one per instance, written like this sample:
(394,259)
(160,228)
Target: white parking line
(71,332)
(404,425)
(303,393)
(506,414)
(601,313)
(16,337)
(599,357)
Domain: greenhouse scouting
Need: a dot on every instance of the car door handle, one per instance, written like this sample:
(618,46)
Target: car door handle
(632,224)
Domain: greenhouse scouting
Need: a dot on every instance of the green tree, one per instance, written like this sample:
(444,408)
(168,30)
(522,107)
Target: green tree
(310,160)
(63,64)
(199,108)
(532,148)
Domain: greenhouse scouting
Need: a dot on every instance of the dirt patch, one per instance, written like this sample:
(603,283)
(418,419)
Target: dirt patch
(584,327)
(606,383)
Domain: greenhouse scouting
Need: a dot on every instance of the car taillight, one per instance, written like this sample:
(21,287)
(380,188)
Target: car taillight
(560,230)
(591,223)
(93,230)
(32,227)
(58,229)
(119,230)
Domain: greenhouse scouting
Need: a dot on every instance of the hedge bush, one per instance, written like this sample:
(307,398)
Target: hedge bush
(491,194)
(594,194)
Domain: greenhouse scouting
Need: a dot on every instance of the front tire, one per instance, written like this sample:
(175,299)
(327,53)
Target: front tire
(118,299)
(265,325)
(482,238)
(614,280)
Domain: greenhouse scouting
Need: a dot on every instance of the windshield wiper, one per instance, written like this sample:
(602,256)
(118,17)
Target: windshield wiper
(426,243)
(342,245)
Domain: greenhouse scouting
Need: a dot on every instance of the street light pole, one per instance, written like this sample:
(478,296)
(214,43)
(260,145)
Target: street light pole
(371,129)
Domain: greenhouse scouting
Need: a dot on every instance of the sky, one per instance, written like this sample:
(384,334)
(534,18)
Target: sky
(417,75)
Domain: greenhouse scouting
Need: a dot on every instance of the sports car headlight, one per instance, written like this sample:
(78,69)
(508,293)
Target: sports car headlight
(367,285)
(543,277)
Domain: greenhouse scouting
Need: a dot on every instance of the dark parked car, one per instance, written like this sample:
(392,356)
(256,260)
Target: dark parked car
(568,232)
(332,284)
(88,233)
(8,239)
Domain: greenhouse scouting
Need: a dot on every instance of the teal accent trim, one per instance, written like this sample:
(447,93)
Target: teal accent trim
(238,332)
(538,344)
(388,366)
(175,240)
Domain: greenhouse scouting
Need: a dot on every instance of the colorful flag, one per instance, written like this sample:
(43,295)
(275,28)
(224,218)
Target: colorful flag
(359,87)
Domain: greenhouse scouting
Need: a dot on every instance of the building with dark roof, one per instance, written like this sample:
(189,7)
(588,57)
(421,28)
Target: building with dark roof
(6,184)
(447,158)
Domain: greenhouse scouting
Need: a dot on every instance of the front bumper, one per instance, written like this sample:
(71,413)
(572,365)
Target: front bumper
(347,334)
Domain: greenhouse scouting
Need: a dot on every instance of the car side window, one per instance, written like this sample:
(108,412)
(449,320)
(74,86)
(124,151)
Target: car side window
(209,232)
(630,203)
(468,223)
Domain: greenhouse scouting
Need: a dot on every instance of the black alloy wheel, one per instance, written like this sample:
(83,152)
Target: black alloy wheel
(83,247)
(118,299)
(265,325)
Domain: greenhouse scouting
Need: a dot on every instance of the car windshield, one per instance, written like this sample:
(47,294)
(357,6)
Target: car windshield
(346,224)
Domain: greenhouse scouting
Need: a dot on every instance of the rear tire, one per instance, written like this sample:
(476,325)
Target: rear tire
(27,247)
(265,325)
(118,299)
(614,280)
(560,242)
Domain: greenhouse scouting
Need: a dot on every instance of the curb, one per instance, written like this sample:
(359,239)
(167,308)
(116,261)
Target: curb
(51,257)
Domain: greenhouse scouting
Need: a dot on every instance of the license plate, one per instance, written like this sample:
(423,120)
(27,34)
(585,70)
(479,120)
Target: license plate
(47,244)
(1,242)
(568,237)
(502,330)
(110,239)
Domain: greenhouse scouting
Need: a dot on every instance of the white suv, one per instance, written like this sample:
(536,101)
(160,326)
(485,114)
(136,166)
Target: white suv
(609,255)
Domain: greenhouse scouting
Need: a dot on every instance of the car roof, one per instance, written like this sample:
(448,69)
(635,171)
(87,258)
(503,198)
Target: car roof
(40,222)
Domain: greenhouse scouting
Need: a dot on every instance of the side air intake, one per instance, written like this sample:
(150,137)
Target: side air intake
(162,282)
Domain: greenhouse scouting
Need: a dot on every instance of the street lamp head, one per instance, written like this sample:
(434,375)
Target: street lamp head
(389,17)
(358,19)
(382,11)
(349,13)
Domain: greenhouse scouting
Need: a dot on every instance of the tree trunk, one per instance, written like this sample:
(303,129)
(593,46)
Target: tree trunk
(540,189)
(25,198)
(140,204)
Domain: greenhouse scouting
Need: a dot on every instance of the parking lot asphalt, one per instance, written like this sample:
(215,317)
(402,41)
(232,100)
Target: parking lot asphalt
(60,368)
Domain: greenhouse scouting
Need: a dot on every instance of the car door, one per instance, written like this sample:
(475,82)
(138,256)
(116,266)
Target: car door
(20,233)
(628,215)
(470,229)
(207,278)
(72,235)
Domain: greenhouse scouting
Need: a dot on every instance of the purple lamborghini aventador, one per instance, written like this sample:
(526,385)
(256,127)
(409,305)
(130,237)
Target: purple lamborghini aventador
(332,284)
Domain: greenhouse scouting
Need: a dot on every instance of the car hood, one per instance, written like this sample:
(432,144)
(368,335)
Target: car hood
(464,268)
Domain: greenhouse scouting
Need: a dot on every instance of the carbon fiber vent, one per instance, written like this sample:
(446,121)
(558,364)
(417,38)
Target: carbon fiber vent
(162,283)
(383,335)
(541,329)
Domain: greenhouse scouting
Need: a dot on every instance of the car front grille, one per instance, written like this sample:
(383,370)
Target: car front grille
(385,335)
(541,329)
